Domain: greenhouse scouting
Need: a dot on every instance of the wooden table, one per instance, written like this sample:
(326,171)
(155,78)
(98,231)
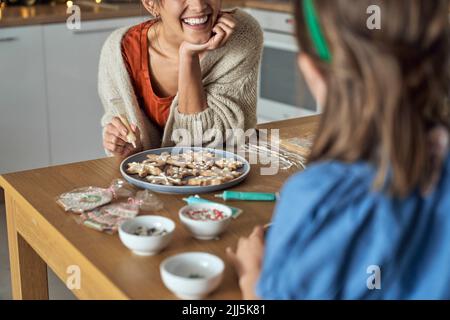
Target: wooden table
(41,234)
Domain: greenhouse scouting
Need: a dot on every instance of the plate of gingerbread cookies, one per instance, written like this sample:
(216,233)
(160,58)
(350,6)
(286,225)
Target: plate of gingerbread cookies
(185,170)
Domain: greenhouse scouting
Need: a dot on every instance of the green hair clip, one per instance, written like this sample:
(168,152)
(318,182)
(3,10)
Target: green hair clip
(318,39)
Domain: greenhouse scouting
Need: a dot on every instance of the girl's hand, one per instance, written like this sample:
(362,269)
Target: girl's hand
(115,139)
(247,260)
(222,30)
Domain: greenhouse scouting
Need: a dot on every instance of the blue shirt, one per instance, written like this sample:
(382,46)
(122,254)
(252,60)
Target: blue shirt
(332,236)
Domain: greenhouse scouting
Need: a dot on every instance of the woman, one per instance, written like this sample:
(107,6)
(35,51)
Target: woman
(190,73)
(369,217)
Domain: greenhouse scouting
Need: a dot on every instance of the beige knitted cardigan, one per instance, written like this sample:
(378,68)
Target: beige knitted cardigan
(229,76)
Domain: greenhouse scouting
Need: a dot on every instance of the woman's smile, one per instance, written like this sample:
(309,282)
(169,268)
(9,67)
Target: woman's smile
(199,22)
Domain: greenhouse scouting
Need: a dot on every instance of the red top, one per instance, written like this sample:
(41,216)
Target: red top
(136,58)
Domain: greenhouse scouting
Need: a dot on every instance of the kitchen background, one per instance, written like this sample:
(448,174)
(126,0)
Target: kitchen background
(49,108)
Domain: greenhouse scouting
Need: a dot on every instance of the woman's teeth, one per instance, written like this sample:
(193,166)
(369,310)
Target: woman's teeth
(196,21)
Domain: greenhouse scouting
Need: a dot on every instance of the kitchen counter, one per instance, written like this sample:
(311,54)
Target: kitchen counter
(43,14)
(11,16)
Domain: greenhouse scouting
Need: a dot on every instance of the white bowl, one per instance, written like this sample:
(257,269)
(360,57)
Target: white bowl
(205,230)
(146,245)
(178,274)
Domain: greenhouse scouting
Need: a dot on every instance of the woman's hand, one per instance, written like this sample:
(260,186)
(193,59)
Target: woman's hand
(192,96)
(222,30)
(247,261)
(115,139)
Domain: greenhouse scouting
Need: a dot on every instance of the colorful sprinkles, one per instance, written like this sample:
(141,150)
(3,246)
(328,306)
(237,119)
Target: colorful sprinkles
(205,214)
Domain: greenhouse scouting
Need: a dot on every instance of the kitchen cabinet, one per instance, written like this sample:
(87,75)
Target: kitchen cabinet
(71,62)
(24,135)
(282,89)
(49,104)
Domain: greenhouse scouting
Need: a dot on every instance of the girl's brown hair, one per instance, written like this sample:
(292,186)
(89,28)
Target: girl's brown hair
(386,88)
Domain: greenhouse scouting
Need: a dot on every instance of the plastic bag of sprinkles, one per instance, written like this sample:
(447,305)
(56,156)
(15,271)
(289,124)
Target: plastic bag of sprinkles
(89,198)
(147,201)
(109,217)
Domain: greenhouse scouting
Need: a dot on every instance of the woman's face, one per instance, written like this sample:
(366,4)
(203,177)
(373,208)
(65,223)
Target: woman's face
(189,20)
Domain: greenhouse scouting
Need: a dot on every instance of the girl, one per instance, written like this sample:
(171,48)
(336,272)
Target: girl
(193,68)
(369,218)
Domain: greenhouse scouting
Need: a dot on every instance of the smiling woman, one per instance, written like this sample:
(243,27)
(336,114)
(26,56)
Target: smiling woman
(191,69)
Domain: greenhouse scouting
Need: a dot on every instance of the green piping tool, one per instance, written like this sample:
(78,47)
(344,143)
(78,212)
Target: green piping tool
(251,196)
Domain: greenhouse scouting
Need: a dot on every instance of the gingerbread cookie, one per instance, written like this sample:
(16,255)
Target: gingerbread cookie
(229,163)
(226,173)
(200,156)
(180,173)
(165,180)
(158,160)
(143,169)
(177,160)
(205,181)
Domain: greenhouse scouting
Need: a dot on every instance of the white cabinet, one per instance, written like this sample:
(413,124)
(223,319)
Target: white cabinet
(24,140)
(49,106)
(71,60)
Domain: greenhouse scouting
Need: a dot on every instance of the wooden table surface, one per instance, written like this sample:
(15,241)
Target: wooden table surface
(40,233)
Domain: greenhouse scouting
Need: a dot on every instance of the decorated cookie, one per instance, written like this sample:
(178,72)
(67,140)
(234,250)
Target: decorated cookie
(205,181)
(143,169)
(180,173)
(228,163)
(165,180)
